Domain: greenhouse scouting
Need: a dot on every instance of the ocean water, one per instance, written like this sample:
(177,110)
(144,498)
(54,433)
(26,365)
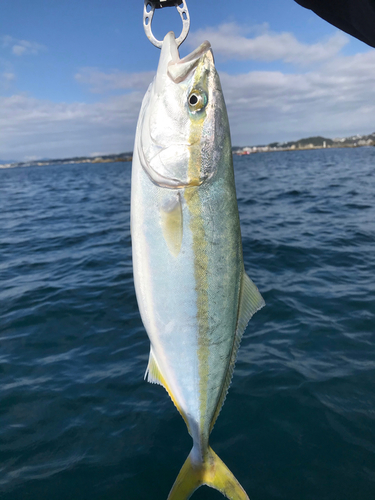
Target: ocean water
(77,420)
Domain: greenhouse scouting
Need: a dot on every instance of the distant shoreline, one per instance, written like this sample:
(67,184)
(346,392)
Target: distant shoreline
(306,144)
(309,143)
(265,149)
(122,157)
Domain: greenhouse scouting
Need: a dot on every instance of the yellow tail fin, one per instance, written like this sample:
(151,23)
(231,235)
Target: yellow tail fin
(213,472)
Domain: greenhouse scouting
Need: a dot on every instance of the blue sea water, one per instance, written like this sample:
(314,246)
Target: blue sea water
(77,420)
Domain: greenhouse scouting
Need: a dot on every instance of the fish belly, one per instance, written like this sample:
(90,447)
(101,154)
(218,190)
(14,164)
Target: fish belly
(187,282)
(165,290)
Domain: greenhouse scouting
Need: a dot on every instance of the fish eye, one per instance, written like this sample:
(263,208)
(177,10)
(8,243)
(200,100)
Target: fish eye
(197,100)
(193,100)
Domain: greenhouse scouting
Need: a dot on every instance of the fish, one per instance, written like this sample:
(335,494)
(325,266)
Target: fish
(193,294)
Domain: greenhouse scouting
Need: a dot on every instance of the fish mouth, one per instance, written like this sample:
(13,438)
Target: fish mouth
(172,66)
(179,70)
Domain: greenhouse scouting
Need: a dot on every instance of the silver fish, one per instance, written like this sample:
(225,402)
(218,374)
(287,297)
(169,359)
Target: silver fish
(194,296)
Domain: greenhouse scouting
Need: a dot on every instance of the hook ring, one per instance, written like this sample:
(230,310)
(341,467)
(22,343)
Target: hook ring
(147,20)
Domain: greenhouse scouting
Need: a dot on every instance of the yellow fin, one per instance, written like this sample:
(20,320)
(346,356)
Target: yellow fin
(171,223)
(250,302)
(154,376)
(212,472)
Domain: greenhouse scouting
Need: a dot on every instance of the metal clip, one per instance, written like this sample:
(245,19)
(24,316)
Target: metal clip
(157,4)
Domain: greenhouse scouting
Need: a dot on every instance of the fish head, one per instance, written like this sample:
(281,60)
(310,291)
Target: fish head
(184,120)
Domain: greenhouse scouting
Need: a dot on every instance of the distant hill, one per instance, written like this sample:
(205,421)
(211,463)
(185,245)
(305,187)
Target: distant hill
(315,142)
(77,159)
(4,162)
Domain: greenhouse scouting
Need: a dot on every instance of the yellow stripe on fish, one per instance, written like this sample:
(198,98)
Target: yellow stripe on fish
(193,294)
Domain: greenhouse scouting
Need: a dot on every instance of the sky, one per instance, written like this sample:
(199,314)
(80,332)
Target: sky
(73,73)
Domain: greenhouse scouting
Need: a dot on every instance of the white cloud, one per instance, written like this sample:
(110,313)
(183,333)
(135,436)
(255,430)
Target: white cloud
(33,127)
(8,77)
(18,50)
(335,98)
(100,153)
(31,158)
(231,41)
(6,80)
(101,82)
(21,47)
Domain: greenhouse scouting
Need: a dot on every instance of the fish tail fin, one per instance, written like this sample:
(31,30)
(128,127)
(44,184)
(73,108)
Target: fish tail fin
(212,472)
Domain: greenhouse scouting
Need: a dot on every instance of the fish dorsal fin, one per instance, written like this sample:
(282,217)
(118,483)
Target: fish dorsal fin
(250,302)
(154,376)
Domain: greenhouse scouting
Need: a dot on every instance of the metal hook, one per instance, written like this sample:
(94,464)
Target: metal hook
(147,19)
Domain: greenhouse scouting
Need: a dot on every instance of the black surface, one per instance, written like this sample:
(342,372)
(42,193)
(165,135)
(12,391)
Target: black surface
(159,4)
(356,17)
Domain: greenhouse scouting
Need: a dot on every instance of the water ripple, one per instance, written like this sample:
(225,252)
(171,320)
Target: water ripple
(76,418)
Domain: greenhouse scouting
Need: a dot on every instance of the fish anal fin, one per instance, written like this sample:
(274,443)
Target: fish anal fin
(211,472)
(153,373)
(250,302)
(155,376)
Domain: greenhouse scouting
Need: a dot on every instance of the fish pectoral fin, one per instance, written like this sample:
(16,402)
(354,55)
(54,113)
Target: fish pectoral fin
(250,302)
(172,224)
(212,472)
